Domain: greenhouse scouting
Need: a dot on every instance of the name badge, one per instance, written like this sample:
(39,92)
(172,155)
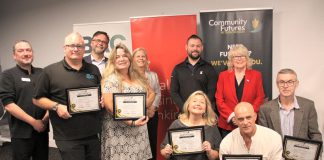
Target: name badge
(25,79)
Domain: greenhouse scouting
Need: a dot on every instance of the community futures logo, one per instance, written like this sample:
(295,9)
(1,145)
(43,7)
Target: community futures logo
(237,26)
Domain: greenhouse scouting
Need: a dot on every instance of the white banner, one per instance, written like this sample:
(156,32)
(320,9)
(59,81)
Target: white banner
(119,32)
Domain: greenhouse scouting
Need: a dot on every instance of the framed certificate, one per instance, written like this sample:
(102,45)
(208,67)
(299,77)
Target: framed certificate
(129,106)
(185,141)
(301,149)
(81,100)
(241,156)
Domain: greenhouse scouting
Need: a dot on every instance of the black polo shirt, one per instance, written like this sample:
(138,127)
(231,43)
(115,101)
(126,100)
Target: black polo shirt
(187,79)
(53,83)
(17,86)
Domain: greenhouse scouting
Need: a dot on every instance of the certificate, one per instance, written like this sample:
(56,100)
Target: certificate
(81,100)
(186,141)
(241,156)
(301,149)
(129,106)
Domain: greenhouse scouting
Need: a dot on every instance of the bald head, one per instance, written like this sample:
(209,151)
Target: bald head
(245,118)
(73,37)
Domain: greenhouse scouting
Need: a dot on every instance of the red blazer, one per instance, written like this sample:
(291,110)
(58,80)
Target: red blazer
(226,94)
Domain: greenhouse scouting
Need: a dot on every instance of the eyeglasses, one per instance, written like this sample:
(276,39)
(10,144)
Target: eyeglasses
(72,46)
(238,57)
(100,41)
(286,83)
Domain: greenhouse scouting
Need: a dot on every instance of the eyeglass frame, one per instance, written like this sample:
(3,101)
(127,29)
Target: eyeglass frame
(239,57)
(100,41)
(289,83)
(78,46)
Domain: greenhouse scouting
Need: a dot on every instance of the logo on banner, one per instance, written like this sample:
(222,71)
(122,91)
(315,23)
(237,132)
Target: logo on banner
(236,26)
(118,38)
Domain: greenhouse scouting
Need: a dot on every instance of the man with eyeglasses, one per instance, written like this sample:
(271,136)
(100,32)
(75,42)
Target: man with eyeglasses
(28,124)
(75,135)
(99,44)
(290,114)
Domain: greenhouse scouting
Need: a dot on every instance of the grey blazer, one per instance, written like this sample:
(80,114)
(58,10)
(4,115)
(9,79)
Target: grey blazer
(305,124)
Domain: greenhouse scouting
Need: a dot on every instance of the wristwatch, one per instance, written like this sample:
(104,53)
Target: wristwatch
(54,108)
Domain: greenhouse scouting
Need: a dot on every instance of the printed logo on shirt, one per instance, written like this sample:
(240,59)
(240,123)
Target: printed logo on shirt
(90,76)
(25,79)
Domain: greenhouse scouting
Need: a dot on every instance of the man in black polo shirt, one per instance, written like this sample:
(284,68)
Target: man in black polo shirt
(28,124)
(75,135)
(193,74)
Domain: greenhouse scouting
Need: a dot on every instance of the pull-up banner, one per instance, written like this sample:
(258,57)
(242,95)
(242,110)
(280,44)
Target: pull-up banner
(253,28)
(164,38)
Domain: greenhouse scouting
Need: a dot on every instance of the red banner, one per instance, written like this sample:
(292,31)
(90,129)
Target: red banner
(164,38)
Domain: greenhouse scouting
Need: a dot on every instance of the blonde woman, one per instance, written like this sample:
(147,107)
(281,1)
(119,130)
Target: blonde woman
(141,64)
(123,139)
(240,83)
(197,111)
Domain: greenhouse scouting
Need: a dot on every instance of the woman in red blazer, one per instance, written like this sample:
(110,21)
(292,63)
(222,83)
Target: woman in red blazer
(239,83)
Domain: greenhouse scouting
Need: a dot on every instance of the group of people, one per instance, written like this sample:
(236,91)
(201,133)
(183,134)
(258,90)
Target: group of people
(227,106)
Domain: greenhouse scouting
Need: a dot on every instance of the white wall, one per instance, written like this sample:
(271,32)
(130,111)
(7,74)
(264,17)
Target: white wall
(297,37)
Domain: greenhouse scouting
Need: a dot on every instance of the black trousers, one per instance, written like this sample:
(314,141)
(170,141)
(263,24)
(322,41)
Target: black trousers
(152,126)
(35,147)
(80,149)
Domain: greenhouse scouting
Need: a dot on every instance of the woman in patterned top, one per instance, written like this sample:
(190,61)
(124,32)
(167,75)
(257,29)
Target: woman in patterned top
(124,139)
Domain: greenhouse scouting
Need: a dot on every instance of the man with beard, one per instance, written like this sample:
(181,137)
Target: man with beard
(99,44)
(28,124)
(193,74)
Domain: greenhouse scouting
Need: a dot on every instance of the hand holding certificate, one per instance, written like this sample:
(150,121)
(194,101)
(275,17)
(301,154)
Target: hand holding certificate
(301,149)
(129,106)
(187,140)
(81,100)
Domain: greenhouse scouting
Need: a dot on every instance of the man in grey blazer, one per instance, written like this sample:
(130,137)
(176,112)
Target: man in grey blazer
(289,114)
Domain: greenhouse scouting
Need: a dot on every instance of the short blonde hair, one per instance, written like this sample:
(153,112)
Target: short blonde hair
(145,53)
(239,49)
(209,116)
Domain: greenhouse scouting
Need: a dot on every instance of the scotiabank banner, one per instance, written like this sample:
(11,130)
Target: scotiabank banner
(164,38)
(253,28)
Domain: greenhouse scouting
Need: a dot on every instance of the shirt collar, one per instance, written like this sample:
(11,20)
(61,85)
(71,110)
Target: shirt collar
(26,71)
(295,104)
(102,60)
(200,61)
(68,67)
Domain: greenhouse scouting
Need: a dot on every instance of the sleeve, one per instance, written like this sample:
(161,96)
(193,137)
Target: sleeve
(157,90)
(7,88)
(212,80)
(111,85)
(313,132)
(224,147)
(262,119)
(175,89)
(259,99)
(216,138)
(166,137)
(42,86)
(276,148)
(223,109)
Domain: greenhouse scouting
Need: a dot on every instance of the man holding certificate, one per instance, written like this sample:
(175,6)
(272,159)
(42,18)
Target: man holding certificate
(195,134)
(69,89)
(289,114)
(250,138)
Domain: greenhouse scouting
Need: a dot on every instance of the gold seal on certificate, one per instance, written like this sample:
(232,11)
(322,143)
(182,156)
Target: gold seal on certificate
(241,156)
(129,106)
(81,100)
(301,149)
(185,141)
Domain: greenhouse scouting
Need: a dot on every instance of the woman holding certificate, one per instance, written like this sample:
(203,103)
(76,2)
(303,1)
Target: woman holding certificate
(183,141)
(124,139)
(141,64)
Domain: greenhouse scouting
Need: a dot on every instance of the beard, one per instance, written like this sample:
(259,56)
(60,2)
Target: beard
(99,50)
(192,56)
